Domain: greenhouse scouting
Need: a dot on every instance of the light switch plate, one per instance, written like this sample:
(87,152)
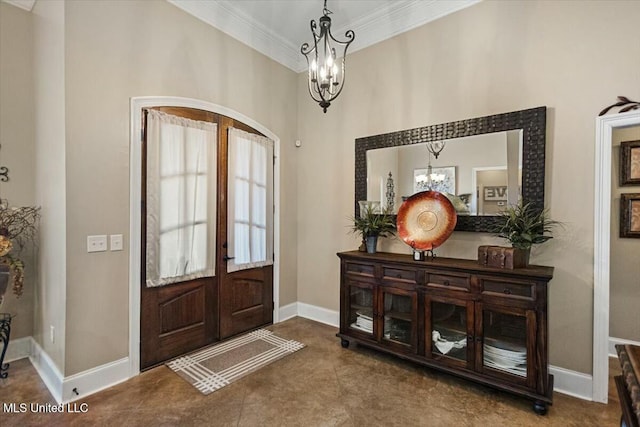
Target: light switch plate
(116,242)
(97,243)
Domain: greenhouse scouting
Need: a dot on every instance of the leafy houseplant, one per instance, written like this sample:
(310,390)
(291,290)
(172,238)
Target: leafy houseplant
(372,225)
(18,226)
(524,226)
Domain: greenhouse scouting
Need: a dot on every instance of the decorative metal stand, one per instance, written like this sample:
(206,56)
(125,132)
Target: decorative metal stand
(5,331)
(391,195)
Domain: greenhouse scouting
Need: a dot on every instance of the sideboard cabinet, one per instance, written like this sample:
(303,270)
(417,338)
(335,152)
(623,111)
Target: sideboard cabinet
(484,324)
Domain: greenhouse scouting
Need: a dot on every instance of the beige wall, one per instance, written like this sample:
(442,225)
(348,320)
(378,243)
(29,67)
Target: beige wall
(117,50)
(624,316)
(17,139)
(493,57)
(49,124)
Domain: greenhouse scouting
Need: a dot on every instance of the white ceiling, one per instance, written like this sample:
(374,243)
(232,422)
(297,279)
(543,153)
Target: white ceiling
(277,28)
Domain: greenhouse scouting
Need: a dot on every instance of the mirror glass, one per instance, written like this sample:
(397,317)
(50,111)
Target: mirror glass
(487,163)
(480,174)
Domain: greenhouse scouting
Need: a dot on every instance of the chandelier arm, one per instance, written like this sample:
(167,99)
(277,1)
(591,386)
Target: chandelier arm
(312,94)
(316,38)
(350,35)
(317,91)
(341,85)
(310,84)
(304,51)
(315,31)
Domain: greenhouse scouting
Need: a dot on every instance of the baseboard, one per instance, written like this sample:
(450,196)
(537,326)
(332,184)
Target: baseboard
(572,383)
(95,379)
(319,314)
(612,345)
(62,388)
(288,311)
(48,371)
(18,349)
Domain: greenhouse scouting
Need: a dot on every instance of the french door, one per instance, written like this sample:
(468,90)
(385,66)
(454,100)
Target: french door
(210,301)
(246,286)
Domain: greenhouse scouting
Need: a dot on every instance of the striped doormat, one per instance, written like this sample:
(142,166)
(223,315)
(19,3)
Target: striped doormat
(221,364)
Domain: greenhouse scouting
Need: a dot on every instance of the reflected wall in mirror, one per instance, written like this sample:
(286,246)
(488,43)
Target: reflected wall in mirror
(486,164)
(480,174)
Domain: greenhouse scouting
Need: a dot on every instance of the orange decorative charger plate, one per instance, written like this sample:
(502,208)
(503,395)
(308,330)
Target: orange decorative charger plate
(426,220)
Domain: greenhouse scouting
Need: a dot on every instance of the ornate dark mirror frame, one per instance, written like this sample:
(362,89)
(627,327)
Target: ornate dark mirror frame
(533,124)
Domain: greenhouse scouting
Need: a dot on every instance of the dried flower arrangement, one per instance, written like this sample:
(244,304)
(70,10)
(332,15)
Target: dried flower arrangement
(18,226)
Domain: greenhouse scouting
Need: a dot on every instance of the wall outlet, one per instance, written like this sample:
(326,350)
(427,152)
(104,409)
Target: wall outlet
(116,242)
(97,243)
(52,333)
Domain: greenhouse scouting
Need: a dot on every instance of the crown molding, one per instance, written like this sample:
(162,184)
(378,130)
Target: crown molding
(384,23)
(379,25)
(222,15)
(22,4)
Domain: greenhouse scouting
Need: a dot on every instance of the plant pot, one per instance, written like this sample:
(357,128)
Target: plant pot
(521,257)
(372,244)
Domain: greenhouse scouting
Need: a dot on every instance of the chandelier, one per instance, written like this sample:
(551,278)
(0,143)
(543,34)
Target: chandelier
(326,68)
(431,178)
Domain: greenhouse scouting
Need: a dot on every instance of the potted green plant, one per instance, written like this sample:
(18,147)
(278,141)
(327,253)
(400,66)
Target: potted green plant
(371,225)
(523,226)
(18,226)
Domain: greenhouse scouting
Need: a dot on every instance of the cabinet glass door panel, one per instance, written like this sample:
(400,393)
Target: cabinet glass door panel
(505,342)
(361,316)
(398,317)
(448,332)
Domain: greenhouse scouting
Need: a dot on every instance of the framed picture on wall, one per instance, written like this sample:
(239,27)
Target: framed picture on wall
(630,163)
(630,215)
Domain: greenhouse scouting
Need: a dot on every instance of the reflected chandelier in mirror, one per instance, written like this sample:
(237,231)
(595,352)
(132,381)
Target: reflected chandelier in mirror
(530,124)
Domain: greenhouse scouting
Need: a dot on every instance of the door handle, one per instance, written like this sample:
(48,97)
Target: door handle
(227,258)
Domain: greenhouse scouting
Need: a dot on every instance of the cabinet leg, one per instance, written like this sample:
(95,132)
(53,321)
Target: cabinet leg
(345,343)
(540,408)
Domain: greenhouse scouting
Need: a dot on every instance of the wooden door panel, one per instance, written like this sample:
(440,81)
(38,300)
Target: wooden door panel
(176,319)
(246,300)
(181,312)
(247,293)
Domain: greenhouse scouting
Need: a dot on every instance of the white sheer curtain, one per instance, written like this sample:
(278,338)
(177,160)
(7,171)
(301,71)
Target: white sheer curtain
(250,201)
(181,198)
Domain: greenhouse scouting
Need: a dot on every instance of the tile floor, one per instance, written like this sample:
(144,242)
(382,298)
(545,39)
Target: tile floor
(320,385)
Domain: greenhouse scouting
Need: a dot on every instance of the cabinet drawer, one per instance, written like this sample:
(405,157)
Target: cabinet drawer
(449,281)
(359,269)
(394,273)
(509,289)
